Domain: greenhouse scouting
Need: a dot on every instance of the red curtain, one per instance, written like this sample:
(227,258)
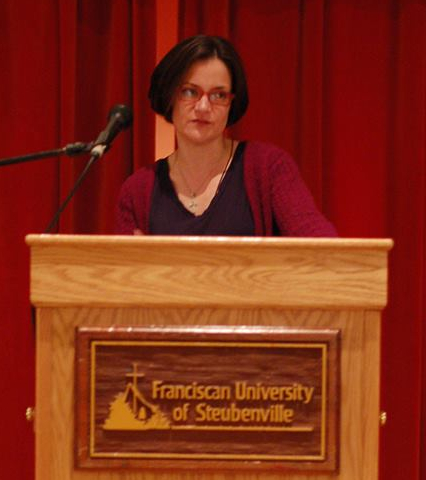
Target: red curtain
(340,84)
(64,64)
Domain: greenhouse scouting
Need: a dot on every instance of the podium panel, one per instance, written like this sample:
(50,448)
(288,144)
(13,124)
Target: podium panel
(210,285)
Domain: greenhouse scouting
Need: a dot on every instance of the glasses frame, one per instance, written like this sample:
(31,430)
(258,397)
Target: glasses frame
(229,96)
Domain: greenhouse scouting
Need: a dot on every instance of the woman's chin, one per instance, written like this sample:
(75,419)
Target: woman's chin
(203,134)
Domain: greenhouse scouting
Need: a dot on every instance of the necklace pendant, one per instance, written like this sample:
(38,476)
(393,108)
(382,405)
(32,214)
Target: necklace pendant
(193,204)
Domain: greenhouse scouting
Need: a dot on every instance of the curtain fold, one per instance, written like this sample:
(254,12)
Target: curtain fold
(340,84)
(65,63)
(404,333)
(109,63)
(28,123)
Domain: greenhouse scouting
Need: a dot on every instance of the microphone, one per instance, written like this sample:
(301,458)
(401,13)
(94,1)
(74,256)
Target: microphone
(120,117)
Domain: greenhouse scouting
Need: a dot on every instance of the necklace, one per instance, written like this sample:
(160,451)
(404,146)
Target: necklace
(193,205)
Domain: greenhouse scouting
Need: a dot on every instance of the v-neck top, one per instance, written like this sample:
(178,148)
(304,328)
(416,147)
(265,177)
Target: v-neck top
(229,212)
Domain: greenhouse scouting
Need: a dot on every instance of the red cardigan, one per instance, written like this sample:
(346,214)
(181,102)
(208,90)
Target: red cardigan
(274,187)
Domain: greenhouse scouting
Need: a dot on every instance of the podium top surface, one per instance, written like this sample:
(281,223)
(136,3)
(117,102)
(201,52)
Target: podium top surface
(229,272)
(285,242)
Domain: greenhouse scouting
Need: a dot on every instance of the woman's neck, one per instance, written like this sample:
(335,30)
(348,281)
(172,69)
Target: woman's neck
(203,156)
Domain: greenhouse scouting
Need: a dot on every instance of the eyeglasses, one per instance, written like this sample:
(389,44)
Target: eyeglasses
(193,93)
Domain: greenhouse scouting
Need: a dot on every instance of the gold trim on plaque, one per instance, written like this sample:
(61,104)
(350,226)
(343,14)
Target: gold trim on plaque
(137,419)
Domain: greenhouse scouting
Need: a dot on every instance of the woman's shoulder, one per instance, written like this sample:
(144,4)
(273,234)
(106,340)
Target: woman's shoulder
(140,177)
(145,171)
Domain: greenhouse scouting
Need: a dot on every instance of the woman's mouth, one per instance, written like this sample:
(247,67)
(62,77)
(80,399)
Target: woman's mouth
(200,121)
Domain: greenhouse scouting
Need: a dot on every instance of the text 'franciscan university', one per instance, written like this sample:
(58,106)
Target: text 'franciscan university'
(237,392)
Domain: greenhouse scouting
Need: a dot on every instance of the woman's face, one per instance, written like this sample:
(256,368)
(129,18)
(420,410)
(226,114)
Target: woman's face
(200,120)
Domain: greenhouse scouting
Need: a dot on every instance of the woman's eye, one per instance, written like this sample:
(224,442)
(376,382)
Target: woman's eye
(219,95)
(188,92)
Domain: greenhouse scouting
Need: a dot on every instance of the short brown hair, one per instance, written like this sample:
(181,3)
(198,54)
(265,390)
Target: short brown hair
(168,74)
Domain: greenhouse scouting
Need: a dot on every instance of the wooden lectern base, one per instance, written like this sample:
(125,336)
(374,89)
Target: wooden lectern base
(79,281)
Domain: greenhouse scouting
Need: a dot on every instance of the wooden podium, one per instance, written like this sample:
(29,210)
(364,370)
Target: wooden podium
(208,283)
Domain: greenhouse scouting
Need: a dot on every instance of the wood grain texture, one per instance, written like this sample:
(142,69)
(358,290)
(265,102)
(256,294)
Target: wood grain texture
(215,272)
(126,281)
(359,386)
(43,450)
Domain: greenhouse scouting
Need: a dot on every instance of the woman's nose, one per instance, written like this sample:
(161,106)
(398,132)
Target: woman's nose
(203,103)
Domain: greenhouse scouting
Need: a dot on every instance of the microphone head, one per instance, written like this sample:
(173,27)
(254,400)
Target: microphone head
(119,118)
(123,114)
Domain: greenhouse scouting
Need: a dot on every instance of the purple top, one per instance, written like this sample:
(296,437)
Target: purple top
(229,212)
(279,200)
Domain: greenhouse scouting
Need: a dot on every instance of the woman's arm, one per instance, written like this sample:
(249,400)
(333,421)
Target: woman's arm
(293,206)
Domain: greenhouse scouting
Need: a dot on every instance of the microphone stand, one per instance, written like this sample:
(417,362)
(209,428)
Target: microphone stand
(81,177)
(120,117)
(70,150)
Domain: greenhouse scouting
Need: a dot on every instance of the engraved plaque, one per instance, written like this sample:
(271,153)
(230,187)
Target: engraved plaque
(217,398)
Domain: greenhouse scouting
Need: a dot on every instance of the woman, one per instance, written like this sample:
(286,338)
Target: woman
(212,184)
